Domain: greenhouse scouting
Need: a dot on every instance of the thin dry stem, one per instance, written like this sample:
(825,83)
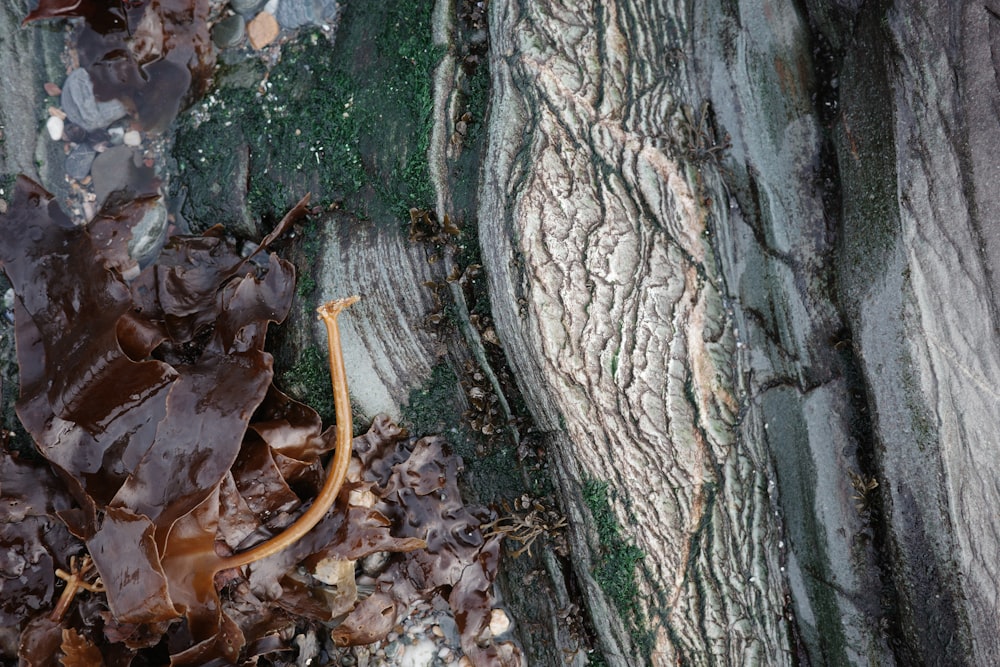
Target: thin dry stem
(328,312)
(75,582)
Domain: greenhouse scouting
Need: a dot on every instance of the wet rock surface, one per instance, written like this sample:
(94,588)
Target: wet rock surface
(742,298)
(81,105)
(608,299)
(847,213)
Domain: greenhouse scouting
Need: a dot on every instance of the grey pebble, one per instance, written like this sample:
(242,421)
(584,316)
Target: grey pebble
(82,108)
(297,13)
(229,31)
(119,168)
(149,234)
(247,7)
(79,160)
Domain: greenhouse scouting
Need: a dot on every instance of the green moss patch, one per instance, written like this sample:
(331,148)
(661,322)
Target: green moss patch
(349,122)
(615,567)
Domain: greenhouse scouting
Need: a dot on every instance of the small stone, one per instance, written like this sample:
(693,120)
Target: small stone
(335,572)
(83,108)
(132,138)
(229,31)
(262,30)
(465,662)
(55,126)
(148,235)
(246,7)
(499,622)
(297,13)
(75,133)
(52,89)
(79,160)
(438,632)
(374,564)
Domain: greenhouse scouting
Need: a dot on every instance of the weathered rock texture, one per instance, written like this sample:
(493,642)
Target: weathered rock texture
(811,310)
(918,279)
(607,295)
(778,350)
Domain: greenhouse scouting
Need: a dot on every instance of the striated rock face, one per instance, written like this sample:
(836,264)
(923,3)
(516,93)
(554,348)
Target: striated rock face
(779,355)
(606,293)
(924,235)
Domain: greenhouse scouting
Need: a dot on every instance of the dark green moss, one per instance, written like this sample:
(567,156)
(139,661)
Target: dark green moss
(308,255)
(492,470)
(615,568)
(431,407)
(308,380)
(349,123)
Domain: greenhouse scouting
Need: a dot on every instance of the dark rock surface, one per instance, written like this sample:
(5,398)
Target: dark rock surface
(79,161)
(293,14)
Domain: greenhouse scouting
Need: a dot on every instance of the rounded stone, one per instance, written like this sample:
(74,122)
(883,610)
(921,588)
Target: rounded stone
(132,138)
(83,108)
(148,234)
(79,160)
(247,7)
(229,32)
(55,125)
(297,13)
(262,30)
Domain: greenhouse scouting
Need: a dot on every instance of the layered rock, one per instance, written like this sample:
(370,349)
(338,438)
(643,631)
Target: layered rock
(808,310)
(607,297)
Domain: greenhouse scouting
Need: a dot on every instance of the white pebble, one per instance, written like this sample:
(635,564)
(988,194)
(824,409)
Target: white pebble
(132,138)
(420,654)
(499,622)
(55,127)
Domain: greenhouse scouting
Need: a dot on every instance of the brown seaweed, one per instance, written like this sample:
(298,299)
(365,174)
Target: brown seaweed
(193,483)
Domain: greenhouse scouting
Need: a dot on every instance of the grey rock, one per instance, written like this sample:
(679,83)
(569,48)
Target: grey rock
(857,259)
(606,296)
(116,135)
(297,13)
(120,168)
(83,108)
(28,59)
(79,160)
(229,31)
(247,8)
(49,159)
(149,234)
